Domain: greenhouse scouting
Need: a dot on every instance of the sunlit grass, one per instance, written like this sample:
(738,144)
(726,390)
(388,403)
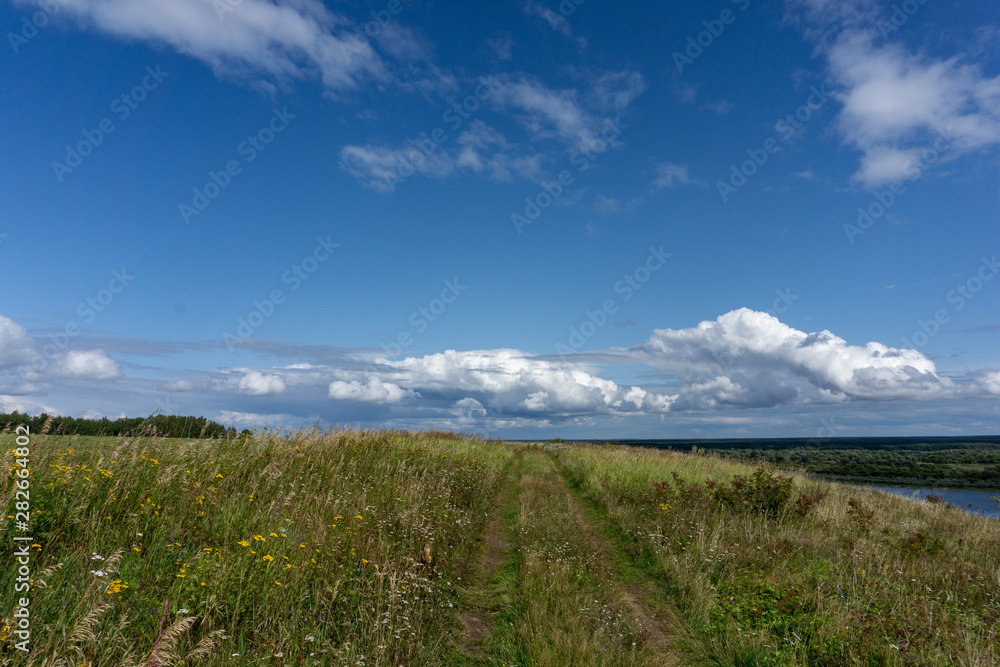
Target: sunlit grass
(920,584)
(290,546)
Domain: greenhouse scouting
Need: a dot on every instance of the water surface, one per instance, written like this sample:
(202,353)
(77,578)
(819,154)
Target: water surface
(973,502)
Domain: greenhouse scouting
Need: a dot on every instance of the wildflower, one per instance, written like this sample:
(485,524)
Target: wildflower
(96,556)
(268,557)
(277,583)
(98,573)
(243,543)
(358,516)
(259,538)
(116,586)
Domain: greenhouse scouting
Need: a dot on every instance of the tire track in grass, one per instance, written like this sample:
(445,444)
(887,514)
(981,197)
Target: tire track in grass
(631,596)
(477,618)
(560,605)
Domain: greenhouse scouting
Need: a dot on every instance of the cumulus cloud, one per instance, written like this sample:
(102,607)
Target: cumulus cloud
(22,357)
(85,365)
(513,381)
(256,383)
(16,348)
(898,104)
(373,390)
(751,359)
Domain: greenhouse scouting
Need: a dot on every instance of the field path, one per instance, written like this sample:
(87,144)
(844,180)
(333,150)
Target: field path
(477,619)
(631,596)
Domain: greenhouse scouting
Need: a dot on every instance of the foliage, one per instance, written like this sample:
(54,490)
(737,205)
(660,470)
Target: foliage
(172,426)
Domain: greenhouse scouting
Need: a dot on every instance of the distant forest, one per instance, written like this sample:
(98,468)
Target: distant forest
(173,426)
(944,462)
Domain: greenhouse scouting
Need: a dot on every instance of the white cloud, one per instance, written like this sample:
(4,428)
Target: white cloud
(16,348)
(372,391)
(256,383)
(479,149)
(284,39)
(547,115)
(748,358)
(502,46)
(556,21)
(251,420)
(85,365)
(615,91)
(896,103)
(469,404)
(609,205)
(673,175)
(722,107)
(512,381)
(550,114)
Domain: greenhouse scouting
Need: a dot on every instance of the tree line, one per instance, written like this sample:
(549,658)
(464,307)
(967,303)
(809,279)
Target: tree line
(171,426)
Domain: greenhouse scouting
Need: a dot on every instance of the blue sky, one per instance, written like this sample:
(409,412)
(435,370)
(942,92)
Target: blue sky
(525,219)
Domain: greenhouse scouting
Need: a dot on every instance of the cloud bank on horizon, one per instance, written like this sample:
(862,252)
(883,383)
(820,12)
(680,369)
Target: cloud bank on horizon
(743,359)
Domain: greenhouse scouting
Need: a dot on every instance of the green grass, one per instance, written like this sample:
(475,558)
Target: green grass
(912,583)
(305,548)
(276,548)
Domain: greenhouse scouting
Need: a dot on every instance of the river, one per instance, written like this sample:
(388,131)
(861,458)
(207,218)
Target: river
(973,502)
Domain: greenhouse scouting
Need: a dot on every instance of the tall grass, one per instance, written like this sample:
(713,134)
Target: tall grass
(878,581)
(276,548)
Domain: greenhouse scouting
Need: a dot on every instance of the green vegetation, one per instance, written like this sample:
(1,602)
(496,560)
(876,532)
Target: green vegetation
(955,465)
(385,548)
(944,462)
(172,426)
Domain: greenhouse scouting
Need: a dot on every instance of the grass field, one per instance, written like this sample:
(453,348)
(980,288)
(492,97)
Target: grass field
(351,547)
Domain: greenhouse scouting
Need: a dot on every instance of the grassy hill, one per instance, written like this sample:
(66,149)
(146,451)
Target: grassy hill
(387,548)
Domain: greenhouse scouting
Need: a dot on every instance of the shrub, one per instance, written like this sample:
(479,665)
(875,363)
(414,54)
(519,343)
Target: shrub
(806,502)
(861,515)
(921,542)
(762,492)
